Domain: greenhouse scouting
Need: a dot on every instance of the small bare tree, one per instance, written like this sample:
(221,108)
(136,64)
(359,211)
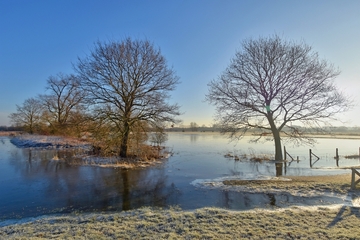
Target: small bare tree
(194,126)
(128,82)
(64,98)
(271,85)
(28,115)
(159,136)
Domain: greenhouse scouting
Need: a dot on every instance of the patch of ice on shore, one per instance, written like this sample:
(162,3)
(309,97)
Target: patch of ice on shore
(39,141)
(218,182)
(27,143)
(356,202)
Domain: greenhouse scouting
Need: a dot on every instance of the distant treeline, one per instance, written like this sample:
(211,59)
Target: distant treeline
(322,130)
(11,128)
(191,129)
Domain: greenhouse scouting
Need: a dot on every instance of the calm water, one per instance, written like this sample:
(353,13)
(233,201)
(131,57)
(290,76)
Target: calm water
(32,184)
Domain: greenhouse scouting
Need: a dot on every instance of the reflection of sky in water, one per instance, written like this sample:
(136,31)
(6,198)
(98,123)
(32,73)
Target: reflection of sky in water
(32,184)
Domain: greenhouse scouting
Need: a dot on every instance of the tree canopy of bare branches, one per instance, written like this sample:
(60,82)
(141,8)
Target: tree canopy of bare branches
(63,101)
(128,82)
(274,85)
(28,115)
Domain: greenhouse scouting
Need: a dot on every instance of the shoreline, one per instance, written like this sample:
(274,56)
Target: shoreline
(336,221)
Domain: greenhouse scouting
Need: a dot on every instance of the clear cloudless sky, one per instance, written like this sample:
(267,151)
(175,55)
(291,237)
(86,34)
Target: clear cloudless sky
(198,38)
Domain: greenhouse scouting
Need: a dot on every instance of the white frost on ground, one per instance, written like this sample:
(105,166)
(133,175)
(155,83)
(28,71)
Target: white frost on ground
(48,142)
(350,199)
(218,182)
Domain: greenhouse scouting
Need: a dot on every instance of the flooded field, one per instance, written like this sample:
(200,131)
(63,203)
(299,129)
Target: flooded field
(34,183)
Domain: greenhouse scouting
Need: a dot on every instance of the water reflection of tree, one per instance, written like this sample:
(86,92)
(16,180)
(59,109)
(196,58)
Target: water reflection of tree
(70,187)
(255,167)
(279,169)
(31,163)
(193,137)
(141,187)
(236,200)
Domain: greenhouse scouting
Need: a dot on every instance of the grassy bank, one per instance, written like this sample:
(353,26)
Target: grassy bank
(299,184)
(208,223)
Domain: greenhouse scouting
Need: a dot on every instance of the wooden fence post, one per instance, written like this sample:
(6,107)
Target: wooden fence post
(337,153)
(311,154)
(337,157)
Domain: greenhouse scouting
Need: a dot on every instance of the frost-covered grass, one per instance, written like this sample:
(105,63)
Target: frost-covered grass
(299,184)
(93,160)
(208,223)
(42,141)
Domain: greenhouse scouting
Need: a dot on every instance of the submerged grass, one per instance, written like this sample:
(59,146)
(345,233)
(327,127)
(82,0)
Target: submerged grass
(206,223)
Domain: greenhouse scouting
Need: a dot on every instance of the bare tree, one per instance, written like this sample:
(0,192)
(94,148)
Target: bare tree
(128,82)
(28,115)
(273,85)
(159,136)
(194,126)
(64,99)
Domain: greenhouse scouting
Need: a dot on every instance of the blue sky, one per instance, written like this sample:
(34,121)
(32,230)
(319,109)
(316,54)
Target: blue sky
(197,37)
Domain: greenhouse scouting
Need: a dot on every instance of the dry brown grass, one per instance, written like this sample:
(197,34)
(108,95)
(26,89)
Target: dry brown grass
(9,133)
(127,163)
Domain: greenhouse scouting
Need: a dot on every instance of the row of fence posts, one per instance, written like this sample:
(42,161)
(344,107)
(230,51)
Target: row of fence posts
(286,154)
(311,155)
(354,172)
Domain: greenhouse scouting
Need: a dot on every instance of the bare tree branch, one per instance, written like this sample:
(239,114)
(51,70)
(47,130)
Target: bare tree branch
(270,84)
(64,98)
(128,82)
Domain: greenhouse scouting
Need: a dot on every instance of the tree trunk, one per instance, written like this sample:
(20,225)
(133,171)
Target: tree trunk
(126,190)
(277,139)
(124,141)
(278,149)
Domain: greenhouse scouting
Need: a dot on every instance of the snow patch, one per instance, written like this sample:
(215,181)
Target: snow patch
(218,182)
(47,142)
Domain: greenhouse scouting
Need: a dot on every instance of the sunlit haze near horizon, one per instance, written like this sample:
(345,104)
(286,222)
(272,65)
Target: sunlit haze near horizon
(198,38)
